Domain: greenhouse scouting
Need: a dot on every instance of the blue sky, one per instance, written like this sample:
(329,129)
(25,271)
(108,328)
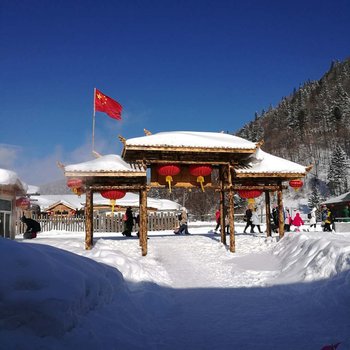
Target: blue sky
(173,65)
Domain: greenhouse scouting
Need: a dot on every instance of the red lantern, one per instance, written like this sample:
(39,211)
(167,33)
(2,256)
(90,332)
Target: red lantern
(249,193)
(75,185)
(112,195)
(200,171)
(296,184)
(23,203)
(168,170)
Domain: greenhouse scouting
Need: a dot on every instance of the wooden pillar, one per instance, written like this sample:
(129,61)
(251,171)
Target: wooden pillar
(222,206)
(280,212)
(268,213)
(231,208)
(143,220)
(89,217)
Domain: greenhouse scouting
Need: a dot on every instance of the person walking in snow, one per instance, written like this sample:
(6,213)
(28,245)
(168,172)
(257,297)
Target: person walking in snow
(287,220)
(183,223)
(248,217)
(328,221)
(297,222)
(255,220)
(313,218)
(128,220)
(217,219)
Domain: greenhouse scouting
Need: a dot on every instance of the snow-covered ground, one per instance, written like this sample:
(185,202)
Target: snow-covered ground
(189,292)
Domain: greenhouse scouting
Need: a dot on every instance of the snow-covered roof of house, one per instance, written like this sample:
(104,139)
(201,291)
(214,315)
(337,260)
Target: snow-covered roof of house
(345,197)
(73,201)
(191,139)
(110,163)
(263,163)
(10,178)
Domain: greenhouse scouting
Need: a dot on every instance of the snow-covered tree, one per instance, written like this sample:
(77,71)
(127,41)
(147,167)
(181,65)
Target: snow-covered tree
(338,172)
(315,195)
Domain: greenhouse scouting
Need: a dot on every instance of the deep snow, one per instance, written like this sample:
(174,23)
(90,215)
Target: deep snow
(189,292)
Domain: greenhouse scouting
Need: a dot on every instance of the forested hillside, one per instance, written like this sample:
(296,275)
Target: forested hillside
(311,126)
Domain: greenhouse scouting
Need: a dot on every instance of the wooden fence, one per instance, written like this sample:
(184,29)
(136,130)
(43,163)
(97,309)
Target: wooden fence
(101,223)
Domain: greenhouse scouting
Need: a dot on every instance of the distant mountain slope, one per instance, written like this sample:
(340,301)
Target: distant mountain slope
(309,125)
(55,187)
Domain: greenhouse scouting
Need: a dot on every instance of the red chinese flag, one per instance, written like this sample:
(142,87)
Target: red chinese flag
(105,104)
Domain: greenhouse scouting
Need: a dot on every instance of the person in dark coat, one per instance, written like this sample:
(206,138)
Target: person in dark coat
(248,217)
(128,222)
(33,227)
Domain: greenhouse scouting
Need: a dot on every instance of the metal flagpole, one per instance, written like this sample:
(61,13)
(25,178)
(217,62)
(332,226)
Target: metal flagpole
(93,124)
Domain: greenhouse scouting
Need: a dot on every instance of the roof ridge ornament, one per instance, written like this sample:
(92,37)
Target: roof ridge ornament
(259,143)
(309,167)
(122,139)
(60,165)
(147,132)
(96,154)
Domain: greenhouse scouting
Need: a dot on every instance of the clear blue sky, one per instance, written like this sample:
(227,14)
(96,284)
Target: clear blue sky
(173,65)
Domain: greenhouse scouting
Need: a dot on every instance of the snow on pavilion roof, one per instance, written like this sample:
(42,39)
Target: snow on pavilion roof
(262,162)
(191,139)
(107,163)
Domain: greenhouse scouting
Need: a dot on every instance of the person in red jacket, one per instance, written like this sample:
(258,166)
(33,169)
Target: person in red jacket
(217,219)
(297,222)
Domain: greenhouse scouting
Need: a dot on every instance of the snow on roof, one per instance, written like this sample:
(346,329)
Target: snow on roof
(263,162)
(45,201)
(192,139)
(9,177)
(107,163)
(130,199)
(345,197)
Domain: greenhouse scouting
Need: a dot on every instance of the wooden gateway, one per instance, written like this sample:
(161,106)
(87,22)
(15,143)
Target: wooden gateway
(187,159)
(172,156)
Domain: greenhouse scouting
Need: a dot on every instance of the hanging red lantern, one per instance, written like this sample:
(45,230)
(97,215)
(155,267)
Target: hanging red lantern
(296,184)
(23,203)
(168,170)
(200,171)
(75,185)
(112,195)
(249,193)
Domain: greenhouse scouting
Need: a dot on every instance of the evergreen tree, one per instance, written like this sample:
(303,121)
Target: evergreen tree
(315,195)
(338,172)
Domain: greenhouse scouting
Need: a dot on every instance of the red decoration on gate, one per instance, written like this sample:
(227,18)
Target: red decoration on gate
(296,184)
(249,193)
(112,195)
(23,203)
(168,170)
(75,185)
(200,171)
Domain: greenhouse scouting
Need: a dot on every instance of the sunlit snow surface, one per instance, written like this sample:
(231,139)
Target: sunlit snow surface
(189,292)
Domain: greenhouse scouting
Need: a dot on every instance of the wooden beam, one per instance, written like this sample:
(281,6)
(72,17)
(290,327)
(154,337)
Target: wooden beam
(282,176)
(222,206)
(89,234)
(143,220)
(280,214)
(268,213)
(231,208)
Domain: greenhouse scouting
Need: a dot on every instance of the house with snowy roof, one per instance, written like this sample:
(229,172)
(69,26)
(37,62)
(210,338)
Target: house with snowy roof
(11,187)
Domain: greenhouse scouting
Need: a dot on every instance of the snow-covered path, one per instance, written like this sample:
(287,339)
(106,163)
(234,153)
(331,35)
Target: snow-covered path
(202,262)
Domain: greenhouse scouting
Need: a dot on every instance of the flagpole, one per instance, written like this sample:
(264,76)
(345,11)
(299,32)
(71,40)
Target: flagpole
(93,123)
